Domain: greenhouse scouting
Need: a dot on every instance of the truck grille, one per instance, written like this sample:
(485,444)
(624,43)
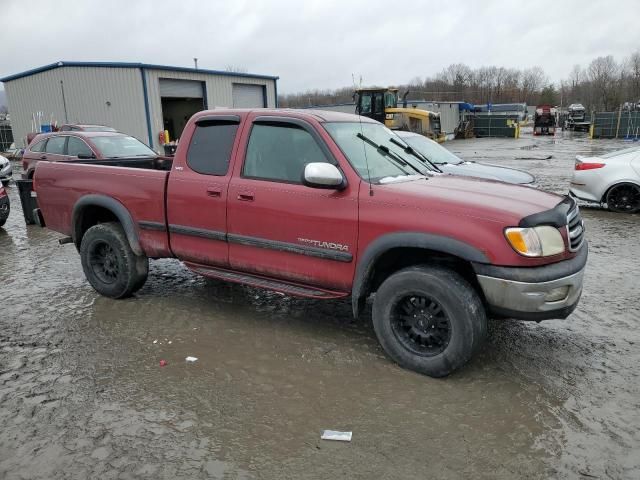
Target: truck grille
(575,229)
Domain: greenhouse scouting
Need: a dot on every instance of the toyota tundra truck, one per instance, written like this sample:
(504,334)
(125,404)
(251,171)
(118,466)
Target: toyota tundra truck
(326,205)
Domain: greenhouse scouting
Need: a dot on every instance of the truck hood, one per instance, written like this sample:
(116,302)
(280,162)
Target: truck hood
(472,197)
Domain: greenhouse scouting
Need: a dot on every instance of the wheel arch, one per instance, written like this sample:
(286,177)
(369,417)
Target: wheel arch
(394,251)
(92,209)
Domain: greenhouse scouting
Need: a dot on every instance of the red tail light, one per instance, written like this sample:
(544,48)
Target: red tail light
(588,166)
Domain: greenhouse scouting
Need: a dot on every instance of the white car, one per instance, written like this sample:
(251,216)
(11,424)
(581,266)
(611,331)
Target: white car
(612,179)
(6,170)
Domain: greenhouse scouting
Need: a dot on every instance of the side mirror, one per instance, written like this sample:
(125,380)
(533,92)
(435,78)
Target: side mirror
(323,175)
(86,156)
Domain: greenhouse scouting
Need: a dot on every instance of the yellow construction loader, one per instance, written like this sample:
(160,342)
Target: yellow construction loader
(381,104)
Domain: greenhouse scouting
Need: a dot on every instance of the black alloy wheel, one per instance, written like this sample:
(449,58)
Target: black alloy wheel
(624,198)
(421,325)
(104,262)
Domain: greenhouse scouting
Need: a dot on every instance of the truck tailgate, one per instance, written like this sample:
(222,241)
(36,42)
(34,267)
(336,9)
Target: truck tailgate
(141,192)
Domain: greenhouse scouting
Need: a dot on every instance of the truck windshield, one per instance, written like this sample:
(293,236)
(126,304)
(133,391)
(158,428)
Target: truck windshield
(435,152)
(383,162)
(120,146)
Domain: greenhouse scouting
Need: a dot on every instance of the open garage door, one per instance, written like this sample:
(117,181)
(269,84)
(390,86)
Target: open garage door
(249,96)
(180,99)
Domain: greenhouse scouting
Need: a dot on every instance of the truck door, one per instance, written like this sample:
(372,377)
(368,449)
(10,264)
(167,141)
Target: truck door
(279,227)
(197,191)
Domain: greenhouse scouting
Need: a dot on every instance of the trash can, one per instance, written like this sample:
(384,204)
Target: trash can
(29,203)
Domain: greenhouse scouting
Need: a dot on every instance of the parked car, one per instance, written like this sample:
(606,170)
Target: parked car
(70,146)
(6,170)
(5,206)
(612,179)
(75,127)
(327,205)
(450,163)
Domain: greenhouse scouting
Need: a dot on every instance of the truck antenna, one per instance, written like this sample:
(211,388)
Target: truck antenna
(364,147)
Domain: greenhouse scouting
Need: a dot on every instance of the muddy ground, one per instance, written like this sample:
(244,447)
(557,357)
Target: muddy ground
(82,394)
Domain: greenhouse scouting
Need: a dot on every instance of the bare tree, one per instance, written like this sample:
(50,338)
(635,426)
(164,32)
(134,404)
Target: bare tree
(604,84)
(533,79)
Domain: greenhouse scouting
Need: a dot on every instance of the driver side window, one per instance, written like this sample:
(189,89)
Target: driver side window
(280,152)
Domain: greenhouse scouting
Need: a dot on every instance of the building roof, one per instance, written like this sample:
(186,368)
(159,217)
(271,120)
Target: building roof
(148,66)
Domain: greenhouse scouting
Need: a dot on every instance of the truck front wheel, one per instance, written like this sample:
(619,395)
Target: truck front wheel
(429,319)
(109,264)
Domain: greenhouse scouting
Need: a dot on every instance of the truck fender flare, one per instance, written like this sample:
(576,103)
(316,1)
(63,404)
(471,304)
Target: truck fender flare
(427,241)
(115,207)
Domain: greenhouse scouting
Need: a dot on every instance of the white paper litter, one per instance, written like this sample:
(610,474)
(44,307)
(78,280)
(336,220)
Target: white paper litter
(155,341)
(338,436)
(191,359)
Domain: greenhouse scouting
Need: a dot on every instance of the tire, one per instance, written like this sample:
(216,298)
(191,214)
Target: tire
(623,198)
(443,302)
(109,264)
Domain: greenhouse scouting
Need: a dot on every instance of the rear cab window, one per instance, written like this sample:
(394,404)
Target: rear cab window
(211,145)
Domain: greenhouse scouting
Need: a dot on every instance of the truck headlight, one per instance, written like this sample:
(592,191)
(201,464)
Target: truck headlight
(541,241)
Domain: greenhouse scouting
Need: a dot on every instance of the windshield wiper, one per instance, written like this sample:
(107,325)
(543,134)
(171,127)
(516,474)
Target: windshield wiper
(388,153)
(411,151)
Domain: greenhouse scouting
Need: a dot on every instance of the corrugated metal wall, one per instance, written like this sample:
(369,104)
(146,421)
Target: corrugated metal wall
(87,91)
(219,92)
(112,96)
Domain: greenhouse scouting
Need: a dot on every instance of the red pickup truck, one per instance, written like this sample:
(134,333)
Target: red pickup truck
(326,205)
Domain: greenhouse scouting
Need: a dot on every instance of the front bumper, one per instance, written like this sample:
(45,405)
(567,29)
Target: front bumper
(536,293)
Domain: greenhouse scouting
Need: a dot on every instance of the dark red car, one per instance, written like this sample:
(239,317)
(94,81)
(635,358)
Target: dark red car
(327,205)
(70,146)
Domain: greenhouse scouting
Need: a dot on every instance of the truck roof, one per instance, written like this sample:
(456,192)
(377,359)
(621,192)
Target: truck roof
(317,114)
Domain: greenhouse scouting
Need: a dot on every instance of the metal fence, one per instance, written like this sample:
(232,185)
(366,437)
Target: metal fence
(6,137)
(496,125)
(620,124)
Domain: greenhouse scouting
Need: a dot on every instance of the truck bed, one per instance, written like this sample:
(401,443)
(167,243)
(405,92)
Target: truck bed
(139,185)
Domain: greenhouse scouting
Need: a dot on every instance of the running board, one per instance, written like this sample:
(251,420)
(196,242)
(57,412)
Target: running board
(288,288)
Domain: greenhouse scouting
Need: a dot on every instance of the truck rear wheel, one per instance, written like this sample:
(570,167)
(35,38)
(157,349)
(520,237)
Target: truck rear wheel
(109,264)
(429,319)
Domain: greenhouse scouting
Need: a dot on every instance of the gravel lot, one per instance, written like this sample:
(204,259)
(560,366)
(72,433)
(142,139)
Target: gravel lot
(82,394)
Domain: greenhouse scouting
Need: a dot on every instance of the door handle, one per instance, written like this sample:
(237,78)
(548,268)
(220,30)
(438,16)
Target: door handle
(245,197)
(214,191)
(43,157)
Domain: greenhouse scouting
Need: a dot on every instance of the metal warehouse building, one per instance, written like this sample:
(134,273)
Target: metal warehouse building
(139,99)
